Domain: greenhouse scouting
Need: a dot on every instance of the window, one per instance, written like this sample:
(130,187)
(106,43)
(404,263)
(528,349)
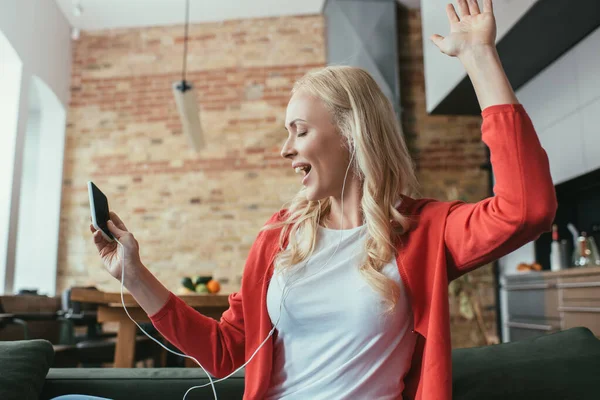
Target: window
(10,88)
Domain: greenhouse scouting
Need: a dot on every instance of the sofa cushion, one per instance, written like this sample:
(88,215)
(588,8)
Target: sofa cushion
(23,368)
(561,365)
(139,383)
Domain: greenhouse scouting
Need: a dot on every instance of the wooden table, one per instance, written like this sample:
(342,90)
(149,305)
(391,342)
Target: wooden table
(110,309)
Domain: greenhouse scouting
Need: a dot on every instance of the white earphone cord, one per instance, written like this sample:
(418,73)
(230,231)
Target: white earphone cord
(283,297)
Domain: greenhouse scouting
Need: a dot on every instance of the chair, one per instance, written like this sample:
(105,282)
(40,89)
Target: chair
(24,316)
(97,347)
(11,319)
(72,349)
(42,322)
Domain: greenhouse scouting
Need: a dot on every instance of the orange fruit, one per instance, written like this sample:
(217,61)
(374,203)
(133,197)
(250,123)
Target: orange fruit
(213,286)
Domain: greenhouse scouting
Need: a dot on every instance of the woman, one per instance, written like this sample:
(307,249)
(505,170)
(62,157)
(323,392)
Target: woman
(362,267)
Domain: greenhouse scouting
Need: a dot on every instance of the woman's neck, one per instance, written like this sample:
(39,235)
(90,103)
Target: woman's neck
(353,215)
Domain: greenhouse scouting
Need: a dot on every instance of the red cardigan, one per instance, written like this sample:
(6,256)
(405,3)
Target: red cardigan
(446,240)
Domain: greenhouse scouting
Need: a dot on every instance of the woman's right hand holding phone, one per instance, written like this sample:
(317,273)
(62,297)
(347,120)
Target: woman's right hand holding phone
(111,253)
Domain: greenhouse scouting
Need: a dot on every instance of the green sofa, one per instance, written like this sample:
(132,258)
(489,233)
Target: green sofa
(139,383)
(562,365)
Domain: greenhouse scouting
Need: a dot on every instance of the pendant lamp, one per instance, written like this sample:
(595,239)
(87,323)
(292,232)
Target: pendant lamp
(185,97)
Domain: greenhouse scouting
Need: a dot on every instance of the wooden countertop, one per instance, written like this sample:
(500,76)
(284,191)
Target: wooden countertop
(575,271)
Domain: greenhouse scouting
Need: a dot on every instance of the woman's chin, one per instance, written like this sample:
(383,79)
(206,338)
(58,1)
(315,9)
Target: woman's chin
(313,195)
(311,198)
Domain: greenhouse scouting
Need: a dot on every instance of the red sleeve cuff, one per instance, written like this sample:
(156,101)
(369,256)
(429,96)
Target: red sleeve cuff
(502,108)
(169,305)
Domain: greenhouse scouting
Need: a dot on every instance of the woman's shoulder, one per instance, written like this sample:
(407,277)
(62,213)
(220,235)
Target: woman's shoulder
(425,215)
(271,229)
(422,207)
(263,250)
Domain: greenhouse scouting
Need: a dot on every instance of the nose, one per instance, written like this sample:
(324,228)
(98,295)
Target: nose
(288,150)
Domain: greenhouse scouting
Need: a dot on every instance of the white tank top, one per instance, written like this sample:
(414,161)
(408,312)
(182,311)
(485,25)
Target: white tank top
(332,341)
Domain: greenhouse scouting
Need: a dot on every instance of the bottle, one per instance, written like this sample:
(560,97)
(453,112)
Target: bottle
(555,251)
(594,254)
(581,255)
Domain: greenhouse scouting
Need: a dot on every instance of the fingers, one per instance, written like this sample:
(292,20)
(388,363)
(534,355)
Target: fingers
(98,238)
(92,228)
(99,241)
(452,17)
(473,7)
(117,221)
(116,231)
(488,6)
(463,8)
(437,40)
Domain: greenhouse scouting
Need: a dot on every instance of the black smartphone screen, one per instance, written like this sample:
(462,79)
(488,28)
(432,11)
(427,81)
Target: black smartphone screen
(100,208)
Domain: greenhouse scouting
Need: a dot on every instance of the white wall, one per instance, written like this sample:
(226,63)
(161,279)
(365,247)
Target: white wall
(563,102)
(40,35)
(10,83)
(39,214)
(27,209)
(443,73)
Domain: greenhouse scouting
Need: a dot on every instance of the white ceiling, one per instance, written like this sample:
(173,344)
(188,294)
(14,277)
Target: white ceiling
(102,14)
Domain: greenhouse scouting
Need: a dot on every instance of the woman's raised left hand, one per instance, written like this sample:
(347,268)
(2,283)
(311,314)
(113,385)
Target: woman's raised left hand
(473,30)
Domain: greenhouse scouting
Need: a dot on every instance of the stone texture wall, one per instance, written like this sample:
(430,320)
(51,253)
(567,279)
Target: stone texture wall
(448,152)
(193,213)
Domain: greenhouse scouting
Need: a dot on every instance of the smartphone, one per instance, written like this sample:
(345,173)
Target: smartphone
(99,211)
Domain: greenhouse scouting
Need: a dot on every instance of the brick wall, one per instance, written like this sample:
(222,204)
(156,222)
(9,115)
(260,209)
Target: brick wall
(193,213)
(197,213)
(448,152)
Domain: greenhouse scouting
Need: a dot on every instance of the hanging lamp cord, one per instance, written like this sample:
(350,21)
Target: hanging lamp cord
(185,47)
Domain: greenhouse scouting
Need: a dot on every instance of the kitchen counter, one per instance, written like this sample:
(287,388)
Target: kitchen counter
(549,301)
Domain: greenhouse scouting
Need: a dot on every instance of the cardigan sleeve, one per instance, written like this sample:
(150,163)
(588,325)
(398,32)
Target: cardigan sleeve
(218,346)
(524,202)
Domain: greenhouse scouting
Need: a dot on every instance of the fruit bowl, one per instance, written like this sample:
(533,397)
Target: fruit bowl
(199,285)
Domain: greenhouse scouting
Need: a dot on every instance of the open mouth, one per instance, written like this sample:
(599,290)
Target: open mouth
(303,169)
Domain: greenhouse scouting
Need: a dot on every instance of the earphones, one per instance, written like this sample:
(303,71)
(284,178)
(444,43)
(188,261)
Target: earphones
(283,297)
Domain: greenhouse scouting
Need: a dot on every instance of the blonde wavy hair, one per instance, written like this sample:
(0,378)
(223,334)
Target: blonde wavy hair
(366,120)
